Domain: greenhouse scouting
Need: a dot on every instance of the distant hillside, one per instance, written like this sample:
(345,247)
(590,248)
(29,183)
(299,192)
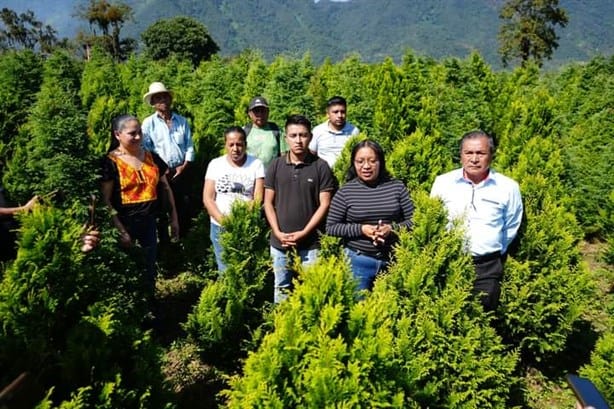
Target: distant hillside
(373,28)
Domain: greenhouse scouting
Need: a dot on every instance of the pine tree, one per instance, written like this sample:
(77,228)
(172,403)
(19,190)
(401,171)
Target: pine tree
(529,33)
(51,154)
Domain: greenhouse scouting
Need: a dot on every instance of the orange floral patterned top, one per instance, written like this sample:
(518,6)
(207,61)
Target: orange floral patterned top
(135,191)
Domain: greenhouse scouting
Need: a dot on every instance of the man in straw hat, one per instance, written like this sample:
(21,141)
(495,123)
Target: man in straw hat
(168,134)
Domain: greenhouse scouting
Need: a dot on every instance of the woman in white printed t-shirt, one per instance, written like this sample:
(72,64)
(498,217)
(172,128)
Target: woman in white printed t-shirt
(230,177)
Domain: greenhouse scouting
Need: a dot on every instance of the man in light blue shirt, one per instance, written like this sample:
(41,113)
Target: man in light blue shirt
(490,206)
(168,134)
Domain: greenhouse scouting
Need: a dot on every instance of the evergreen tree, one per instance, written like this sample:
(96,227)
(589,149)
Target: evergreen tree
(254,82)
(21,73)
(104,97)
(288,88)
(233,306)
(601,368)
(418,340)
(528,32)
(52,152)
(73,318)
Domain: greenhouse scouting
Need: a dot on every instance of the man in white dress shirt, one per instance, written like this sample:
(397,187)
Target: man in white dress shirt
(490,206)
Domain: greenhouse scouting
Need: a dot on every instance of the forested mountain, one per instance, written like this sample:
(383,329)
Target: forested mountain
(374,29)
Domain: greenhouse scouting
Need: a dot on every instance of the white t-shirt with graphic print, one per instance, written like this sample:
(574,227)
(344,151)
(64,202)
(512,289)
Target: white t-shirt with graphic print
(233,183)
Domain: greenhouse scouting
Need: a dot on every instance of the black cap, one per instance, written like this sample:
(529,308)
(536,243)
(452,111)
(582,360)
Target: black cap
(258,102)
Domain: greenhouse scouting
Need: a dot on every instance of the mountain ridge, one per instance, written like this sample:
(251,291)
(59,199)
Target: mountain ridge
(335,29)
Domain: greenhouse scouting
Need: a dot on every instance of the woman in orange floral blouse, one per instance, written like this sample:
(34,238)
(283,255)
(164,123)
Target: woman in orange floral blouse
(131,177)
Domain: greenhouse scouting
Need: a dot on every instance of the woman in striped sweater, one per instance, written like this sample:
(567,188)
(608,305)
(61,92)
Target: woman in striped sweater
(368,211)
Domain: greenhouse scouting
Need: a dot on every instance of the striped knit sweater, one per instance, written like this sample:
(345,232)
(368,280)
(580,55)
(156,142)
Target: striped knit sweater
(357,203)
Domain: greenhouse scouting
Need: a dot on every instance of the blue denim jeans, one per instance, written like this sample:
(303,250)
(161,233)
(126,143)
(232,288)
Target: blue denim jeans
(282,260)
(214,234)
(364,268)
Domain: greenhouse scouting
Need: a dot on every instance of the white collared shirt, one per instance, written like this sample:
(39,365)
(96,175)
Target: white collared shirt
(491,210)
(328,143)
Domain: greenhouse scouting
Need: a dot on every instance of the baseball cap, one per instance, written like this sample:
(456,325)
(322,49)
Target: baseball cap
(258,102)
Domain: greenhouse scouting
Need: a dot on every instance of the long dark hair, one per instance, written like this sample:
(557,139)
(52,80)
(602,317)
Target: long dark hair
(379,152)
(117,124)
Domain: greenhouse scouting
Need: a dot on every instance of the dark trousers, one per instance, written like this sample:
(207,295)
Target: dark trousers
(181,193)
(487,285)
(143,231)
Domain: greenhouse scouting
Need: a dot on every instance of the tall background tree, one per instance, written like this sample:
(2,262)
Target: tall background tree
(528,32)
(181,36)
(25,31)
(109,18)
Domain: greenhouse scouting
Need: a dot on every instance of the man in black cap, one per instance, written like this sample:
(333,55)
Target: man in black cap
(264,139)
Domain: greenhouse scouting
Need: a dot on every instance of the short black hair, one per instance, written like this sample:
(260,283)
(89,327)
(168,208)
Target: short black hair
(336,100)
(298,120)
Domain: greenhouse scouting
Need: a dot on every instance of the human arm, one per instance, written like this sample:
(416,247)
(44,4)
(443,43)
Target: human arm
(313,144)
(259,190)
(258,193)
(209,201)
(188,145)
(402,221)
(292,238)
(512,218)
(171,201)
(9,211)
(336,221)
(271,215)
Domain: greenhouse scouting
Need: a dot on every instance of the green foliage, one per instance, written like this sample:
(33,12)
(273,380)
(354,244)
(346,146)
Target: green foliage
(389,120)
(287,89)
(232,306)
(450,354)
(601,368)
(414,342)
(103,395)
(71,317)
(109,18)
(417,159)
(21,76)
(182,36)
(584,94)
(550,290)
(52,155)
(25,31)
(346,78)
(418,339)
(590,155)
(528,30)
(608,254)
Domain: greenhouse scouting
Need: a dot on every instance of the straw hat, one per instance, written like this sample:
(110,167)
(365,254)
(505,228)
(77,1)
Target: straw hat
(155,88)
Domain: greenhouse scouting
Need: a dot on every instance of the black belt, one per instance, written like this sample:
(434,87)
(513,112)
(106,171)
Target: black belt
(486,257)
